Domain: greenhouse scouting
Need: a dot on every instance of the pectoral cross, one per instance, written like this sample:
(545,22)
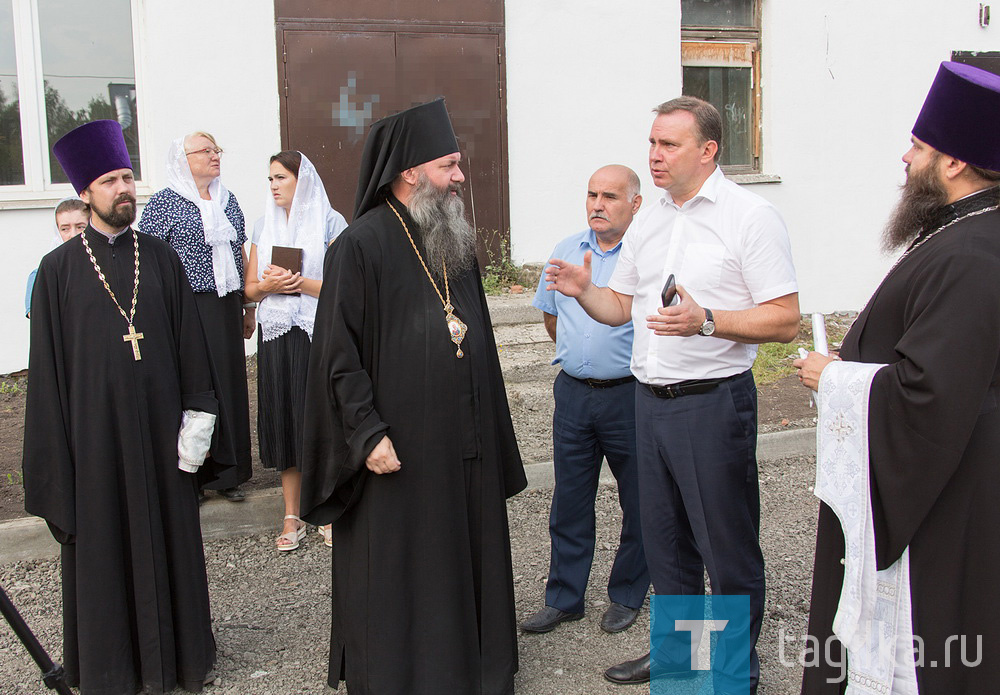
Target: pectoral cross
(134,338)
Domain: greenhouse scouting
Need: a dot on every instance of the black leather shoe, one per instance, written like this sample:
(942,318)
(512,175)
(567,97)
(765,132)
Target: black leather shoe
(618,618)
(233,494)
(630,672)
(546,619)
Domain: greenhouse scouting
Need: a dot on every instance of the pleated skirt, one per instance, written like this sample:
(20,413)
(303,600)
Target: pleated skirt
(222,322)
(282,369)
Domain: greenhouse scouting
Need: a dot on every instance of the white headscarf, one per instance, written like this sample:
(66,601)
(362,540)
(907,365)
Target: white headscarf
(303,227)
(219,231)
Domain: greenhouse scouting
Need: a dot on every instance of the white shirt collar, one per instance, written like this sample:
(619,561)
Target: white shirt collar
(709,191)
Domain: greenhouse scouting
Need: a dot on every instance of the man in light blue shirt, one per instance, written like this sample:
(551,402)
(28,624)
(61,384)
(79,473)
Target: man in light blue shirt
(594,418)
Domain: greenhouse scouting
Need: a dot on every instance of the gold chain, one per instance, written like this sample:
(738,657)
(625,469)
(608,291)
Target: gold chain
(100,274)
(456,327)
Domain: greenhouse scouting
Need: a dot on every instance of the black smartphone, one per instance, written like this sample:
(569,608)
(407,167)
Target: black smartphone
(669,292)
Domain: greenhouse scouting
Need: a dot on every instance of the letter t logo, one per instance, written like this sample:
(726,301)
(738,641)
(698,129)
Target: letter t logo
(697,629)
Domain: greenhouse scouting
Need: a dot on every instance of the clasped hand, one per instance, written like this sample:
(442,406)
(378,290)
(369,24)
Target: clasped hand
(383,458)
(682,319)
(278,280)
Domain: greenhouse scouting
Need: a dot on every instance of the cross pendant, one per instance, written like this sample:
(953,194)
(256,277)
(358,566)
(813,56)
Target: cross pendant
(134,338)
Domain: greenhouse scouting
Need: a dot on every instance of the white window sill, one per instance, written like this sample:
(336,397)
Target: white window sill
(753,178)
(49,199)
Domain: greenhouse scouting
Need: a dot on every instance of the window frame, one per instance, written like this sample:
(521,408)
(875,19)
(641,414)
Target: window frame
(38,189)
(737,39)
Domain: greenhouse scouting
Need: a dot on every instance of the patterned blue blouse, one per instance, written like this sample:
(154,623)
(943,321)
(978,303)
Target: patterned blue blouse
(175,219)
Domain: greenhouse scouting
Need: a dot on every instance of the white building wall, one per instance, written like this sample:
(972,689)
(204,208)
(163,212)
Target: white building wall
(582,79)
(842,80)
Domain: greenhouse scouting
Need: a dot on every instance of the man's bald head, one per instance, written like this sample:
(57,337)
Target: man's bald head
(612,200)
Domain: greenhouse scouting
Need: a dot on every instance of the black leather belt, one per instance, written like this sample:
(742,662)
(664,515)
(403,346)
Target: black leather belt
(690,387)
(603,383)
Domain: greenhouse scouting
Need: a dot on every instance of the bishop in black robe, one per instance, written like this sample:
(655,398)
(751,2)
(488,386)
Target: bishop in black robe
(934,442)
(423,598)
(101,463)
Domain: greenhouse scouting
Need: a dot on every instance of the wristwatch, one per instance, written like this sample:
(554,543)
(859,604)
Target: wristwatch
(707,328)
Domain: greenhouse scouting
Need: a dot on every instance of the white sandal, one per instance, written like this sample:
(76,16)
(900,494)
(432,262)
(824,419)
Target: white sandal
(293,537)
(327,533)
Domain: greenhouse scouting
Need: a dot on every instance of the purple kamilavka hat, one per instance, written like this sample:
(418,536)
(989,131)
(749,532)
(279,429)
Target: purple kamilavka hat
(960,115)
(90,151)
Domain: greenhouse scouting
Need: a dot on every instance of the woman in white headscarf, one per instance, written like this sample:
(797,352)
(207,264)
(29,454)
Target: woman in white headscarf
(298,224)
(202,220)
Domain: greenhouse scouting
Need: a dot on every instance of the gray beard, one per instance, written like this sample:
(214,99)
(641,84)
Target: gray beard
(447,236)
(922,199)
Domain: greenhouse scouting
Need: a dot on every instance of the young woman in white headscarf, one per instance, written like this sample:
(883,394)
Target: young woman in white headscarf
(297,216)
(202,220)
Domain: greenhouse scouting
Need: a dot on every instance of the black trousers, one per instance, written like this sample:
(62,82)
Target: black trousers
(589,425)
(699,496)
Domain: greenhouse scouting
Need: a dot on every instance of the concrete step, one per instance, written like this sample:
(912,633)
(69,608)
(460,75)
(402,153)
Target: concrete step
(507,309)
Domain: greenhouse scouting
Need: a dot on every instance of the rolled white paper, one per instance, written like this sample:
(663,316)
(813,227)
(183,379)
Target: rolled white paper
(819,335)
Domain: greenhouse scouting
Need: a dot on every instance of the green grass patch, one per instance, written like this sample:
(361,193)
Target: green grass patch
(774,360)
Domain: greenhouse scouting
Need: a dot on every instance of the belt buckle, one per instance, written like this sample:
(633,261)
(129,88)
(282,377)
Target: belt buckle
(672,391)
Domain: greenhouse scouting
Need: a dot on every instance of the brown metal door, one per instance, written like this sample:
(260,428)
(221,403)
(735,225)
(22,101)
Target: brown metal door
(464,68)
(337,82)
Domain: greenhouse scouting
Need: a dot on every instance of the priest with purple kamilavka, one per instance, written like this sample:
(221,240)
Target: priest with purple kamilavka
(120,416)
(907,576)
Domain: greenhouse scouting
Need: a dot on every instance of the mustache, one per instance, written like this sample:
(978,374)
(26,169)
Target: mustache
(124,198)
(599,216)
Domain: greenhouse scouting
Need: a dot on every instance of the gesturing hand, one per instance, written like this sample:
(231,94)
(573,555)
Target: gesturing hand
(571,280)
(383,458)
(684,318)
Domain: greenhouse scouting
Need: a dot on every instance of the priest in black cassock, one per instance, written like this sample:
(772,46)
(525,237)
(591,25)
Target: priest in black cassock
(409,448)
(907,575)
(120,414)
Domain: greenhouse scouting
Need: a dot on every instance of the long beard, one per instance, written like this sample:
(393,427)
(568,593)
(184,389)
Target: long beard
(923,197)
(117,217)
(448,237)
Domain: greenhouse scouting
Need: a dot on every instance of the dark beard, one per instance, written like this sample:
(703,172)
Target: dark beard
(115,217)
(448,237)
(923,197)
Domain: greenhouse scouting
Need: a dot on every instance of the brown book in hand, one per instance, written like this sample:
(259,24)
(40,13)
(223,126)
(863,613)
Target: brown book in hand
(289,258)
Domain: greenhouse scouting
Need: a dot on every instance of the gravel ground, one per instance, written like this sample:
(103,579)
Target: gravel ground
(272,610)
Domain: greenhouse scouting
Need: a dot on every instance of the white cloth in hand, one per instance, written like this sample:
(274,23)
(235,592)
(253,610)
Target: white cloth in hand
(194,439)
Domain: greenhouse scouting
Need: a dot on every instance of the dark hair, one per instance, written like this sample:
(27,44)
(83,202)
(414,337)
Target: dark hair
(71,205)
(706,118)
(986,174)
(290,159)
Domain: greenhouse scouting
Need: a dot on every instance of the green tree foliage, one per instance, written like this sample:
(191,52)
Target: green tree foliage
(11,159)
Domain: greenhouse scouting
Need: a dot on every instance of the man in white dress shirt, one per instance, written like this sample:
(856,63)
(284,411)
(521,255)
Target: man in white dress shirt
(696,402)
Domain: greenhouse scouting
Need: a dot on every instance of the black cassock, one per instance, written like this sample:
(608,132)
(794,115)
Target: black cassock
(100,463)
(423,598)
(934,438)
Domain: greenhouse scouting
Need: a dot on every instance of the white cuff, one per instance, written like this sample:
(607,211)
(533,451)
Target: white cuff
(194,439)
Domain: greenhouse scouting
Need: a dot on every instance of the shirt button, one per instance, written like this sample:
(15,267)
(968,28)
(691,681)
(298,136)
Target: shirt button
(842,561)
